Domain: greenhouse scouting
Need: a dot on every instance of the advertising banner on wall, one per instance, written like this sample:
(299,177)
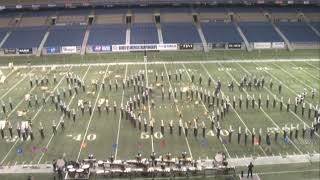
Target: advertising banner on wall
(53,50)
(234,45)
(144,47)
(10,51)
(25,51)
(262,45)
(278,45)
(68,49)
(186,46)
(218,45)
(99,48)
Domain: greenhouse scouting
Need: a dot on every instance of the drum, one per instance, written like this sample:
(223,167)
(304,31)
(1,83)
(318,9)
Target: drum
(85,168)
(219,157)
(80,172)
(100,163)
(72,172)
(69,167)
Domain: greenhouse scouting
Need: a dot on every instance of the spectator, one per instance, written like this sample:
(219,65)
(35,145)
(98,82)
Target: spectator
(250,167)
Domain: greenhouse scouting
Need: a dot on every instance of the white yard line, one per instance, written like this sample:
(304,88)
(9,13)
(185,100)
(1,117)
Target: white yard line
(120,117)
(274,77)
(242,121)
(293,76)
(5,157)
(190,152)
(312,65)
(306,72)
(271,93)
(7,92)
(85,74)
(169,62)
(91,116)
(220,138)
(149,110)
(266,114)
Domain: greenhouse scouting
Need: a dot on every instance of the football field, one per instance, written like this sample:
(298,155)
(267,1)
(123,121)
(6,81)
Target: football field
(109,132)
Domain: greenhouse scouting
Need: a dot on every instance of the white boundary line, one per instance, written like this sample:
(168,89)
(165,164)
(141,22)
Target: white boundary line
(120,117)
(306,72)
(225,148)
(278,100)
(242,121)
(293,76)
(288,172)
(17,83)
(312,65)
(169,62)
(32,119)
(266,114)
(61,119)
(274,77)
(94,106)
(190,152)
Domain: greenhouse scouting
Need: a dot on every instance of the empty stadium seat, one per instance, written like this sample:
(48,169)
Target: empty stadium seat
(221,32)
(26,37)
(259,32)
(3,32)
(66,36)
(107,34)
(144,33)
(180,33)
(297,32)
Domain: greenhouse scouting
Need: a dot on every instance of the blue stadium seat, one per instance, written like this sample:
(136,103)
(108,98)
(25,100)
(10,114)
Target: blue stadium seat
(220,32)
(107,34)
(259,32)
(66,36)
(26,37)
(144,33)
(180,33)
(298,32)
(3,32)
(316,25)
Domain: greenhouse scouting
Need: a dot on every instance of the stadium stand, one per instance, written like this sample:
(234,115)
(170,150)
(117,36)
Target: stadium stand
(180,33)
(143,18)
(26,37)
(144,33)
(109,19)
(297,32)
(220,32)
(176,17)
(254,30)
(6,22)
(69,35)
(107,34)
(3,32)
(33,21)
(72,17)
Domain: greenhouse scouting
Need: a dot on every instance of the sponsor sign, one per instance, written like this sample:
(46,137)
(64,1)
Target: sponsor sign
(53,50)
(167,47)
(306,2)
(144,47)
(234,45)
(262,45)
(278,45)
(2,8)
(19,6)
(186,46)
(25,51)
(10,51)
(101,48)
(218,46)
(68,49)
